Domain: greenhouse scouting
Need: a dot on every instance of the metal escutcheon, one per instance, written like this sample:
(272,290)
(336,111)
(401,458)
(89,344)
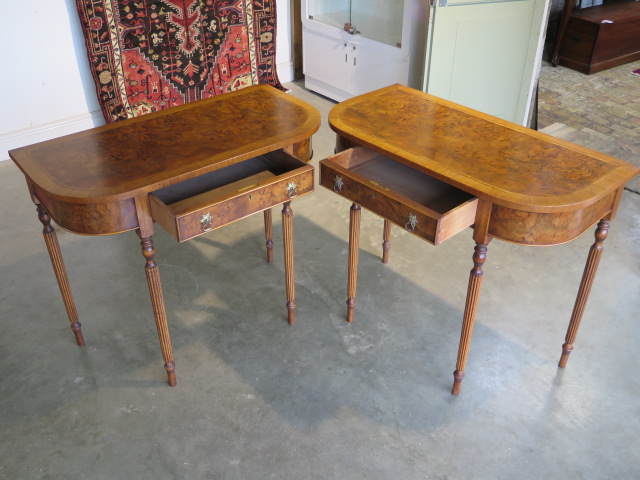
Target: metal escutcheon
(412,221)
(291,189)
(206,222)
(338,183)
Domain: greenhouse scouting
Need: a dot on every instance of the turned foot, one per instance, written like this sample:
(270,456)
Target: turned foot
(589,274)
(458,375)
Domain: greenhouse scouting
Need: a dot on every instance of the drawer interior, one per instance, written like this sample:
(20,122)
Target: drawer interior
(390,174)
(227,181)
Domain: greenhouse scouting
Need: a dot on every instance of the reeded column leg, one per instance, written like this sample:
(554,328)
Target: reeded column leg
(157,301)
(386,241)
(51,240)
(471,305)
(268,233)
(595,252)
(289,277)
(354,245)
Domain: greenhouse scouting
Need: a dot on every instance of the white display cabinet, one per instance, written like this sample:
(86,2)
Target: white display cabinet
(352,47)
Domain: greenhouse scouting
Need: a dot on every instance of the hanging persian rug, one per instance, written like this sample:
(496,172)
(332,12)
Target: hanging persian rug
(148,55)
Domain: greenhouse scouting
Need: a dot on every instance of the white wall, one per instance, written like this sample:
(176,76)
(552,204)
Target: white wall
(46,89)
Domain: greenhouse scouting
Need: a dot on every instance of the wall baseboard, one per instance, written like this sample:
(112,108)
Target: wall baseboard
(285,71)
(47,131)
(66,126)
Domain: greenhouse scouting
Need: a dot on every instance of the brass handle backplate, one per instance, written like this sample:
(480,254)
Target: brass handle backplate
(292,188)
(412,221)
(206,222)
(338,183)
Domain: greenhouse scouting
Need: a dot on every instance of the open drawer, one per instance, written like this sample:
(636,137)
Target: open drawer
(424,206)
(196,206)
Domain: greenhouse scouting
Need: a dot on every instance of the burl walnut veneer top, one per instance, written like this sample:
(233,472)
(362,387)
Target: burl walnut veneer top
(143,154)
(488,157)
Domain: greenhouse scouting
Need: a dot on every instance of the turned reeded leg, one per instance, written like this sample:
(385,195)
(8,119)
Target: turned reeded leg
(386,241)
(471,305)
(268,233)
(595,252)
(157,301)
(51,240)
(289,278)
(354,241)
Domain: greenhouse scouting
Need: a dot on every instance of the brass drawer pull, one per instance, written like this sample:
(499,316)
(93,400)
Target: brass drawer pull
(206,223)
(338,183)
(291,189)
(412,221)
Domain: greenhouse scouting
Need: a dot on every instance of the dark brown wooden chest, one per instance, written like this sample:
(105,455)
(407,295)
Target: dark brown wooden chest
(602,37)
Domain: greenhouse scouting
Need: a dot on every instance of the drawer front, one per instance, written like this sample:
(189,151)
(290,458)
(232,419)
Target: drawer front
(203,217)
(380,201)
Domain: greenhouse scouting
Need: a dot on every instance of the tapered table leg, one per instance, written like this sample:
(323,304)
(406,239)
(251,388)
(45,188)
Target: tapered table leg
(386,241)
(51,240)
(471,305)
(268,233)
(157,302)
(354,246)
(595,252)
(289,277)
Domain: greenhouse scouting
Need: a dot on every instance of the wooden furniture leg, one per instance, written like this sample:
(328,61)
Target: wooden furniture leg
(386,241)
(354,241)
(471,305)
(564,21)
(289,278)
(51,240)
(157,301)
(268,233)
(595,252)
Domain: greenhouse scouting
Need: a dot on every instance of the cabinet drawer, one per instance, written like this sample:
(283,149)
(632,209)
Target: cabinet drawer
(204,203)
(422,205)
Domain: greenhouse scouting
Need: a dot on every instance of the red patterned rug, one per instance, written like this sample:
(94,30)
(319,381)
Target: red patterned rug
(147,55)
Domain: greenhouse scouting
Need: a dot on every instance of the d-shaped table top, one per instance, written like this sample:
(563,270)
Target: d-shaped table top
(134,156)
(495,160)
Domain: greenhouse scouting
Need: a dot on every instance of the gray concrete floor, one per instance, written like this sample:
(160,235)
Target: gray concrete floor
(323,399)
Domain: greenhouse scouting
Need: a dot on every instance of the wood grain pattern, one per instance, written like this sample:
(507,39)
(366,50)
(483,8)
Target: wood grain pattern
(131,157)
(87,180)
(386,241)
(289,272)
(493,159)
(589,274)
(157,302)
(268,234)
(100,181)
(468,320)
(53,247)
(532,189)
(183,218)
(354,250)
(528,228)
(440,210)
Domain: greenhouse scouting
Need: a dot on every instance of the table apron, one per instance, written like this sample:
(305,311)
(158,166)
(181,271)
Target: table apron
(532,228)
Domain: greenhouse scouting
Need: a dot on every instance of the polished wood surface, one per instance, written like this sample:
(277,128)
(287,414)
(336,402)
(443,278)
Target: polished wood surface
(490,158)
(422,205)
(217,160)
(87,180)
(531,189)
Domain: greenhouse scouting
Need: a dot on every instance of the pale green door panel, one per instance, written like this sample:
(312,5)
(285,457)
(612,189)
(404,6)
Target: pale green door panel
(486,55)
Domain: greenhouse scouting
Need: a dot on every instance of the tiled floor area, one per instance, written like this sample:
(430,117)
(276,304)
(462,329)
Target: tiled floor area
(599,111)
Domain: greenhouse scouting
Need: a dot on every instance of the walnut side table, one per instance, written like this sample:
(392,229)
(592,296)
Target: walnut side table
(191,169)
(435,168)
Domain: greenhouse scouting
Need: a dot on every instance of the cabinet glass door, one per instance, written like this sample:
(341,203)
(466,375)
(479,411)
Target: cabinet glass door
(379,20)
